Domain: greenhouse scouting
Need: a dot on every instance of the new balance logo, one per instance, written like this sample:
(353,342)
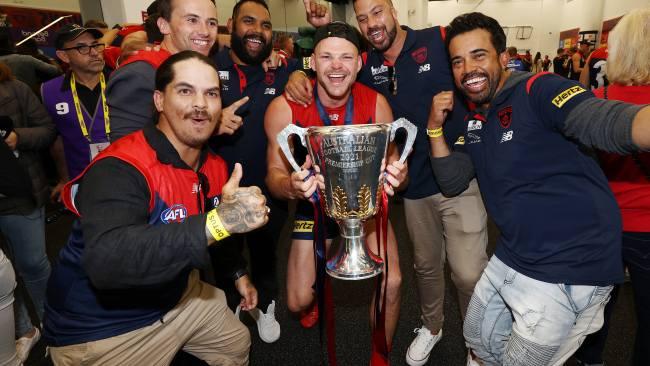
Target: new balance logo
(424,68)
(507,136)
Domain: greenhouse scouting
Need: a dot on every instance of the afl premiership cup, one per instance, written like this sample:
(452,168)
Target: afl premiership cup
(350,159)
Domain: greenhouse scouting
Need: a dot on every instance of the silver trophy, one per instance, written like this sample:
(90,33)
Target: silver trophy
(349,158)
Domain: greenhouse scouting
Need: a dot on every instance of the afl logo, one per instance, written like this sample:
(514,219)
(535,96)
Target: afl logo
(174,214)
(215,201)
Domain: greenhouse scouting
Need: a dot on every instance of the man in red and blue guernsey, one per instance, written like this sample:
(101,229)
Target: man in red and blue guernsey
(408,67)
(76,101)
(247,89)
(529,140)
(185,25)
(126,290)
(339,100)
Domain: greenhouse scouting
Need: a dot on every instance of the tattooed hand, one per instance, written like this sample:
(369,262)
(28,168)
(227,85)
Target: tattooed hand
(242,209)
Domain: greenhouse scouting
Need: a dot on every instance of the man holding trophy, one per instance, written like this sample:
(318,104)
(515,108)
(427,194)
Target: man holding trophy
(346,166)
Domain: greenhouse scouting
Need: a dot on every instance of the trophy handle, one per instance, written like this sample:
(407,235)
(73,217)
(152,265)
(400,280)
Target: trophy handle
(283,141)
(411,132)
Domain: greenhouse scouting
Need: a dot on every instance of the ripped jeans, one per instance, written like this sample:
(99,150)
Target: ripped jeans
(514,320)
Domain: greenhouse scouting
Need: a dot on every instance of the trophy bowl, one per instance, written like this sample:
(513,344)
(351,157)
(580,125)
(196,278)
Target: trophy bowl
(351,160)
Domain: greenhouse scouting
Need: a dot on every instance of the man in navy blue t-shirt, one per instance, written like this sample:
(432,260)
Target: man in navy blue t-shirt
(409,67)
(528,143)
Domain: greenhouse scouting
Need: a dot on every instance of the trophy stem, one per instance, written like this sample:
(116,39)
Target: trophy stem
(354,260)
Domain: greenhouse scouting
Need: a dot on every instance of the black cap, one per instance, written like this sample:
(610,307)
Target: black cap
(70,32)
(339,30)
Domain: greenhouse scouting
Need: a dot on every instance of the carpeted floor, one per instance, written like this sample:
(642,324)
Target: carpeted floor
(300,347)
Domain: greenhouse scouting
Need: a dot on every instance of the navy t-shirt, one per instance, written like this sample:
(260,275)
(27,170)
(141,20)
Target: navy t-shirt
(558,219)
(421,70)
(248,145)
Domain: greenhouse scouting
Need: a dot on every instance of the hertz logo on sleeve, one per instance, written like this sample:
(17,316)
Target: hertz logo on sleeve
(303,226)
(566,95)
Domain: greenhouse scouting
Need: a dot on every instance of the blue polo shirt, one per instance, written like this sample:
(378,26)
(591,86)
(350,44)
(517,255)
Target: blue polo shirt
(248,145)
(422,70)
(558,219)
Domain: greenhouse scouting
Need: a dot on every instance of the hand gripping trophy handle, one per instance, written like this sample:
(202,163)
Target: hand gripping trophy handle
(283,142)
(351,157)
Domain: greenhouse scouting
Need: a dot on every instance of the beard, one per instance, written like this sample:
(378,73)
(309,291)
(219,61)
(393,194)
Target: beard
(238,45)
(486,95)
(192,137)
(391,34)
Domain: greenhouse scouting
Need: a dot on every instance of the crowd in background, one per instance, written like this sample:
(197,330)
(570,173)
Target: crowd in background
(33,169)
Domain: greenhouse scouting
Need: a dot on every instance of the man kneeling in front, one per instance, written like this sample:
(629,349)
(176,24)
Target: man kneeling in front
(127,289)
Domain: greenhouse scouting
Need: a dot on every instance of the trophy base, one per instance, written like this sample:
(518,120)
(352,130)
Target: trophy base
(353,261)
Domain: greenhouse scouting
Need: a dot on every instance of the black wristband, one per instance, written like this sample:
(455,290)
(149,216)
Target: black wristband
(239,274)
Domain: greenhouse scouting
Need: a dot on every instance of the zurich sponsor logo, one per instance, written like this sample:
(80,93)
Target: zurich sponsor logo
(175,214)
(378,70)
(474,125)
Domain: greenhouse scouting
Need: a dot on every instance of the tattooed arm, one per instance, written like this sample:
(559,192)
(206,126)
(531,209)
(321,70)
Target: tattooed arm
(242,209)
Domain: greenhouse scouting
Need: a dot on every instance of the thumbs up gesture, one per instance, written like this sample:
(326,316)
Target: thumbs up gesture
(242,209)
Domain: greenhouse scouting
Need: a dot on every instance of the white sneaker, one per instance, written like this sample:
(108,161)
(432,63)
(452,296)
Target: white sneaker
(470,360)
(267,326)
(25,344)
(420,349)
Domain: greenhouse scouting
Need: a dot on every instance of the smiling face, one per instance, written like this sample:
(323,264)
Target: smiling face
(190,105)
(336,62)
(192,26)
(378,22)
(251,34)
(479,71)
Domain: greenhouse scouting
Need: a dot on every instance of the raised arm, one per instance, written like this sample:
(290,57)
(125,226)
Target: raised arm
(453,169)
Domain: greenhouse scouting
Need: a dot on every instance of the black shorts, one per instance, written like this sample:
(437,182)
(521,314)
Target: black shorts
(303,224)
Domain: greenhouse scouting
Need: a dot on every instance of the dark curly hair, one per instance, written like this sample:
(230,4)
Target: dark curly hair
(470,21)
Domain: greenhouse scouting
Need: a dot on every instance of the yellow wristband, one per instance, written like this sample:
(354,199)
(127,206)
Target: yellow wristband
(434,132)
(215,226)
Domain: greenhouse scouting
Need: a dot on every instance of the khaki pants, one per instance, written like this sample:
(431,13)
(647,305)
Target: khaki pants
(452,229)
(200,324)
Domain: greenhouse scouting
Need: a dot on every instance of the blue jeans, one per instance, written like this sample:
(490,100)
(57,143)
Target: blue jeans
(514,320)
(25,237)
